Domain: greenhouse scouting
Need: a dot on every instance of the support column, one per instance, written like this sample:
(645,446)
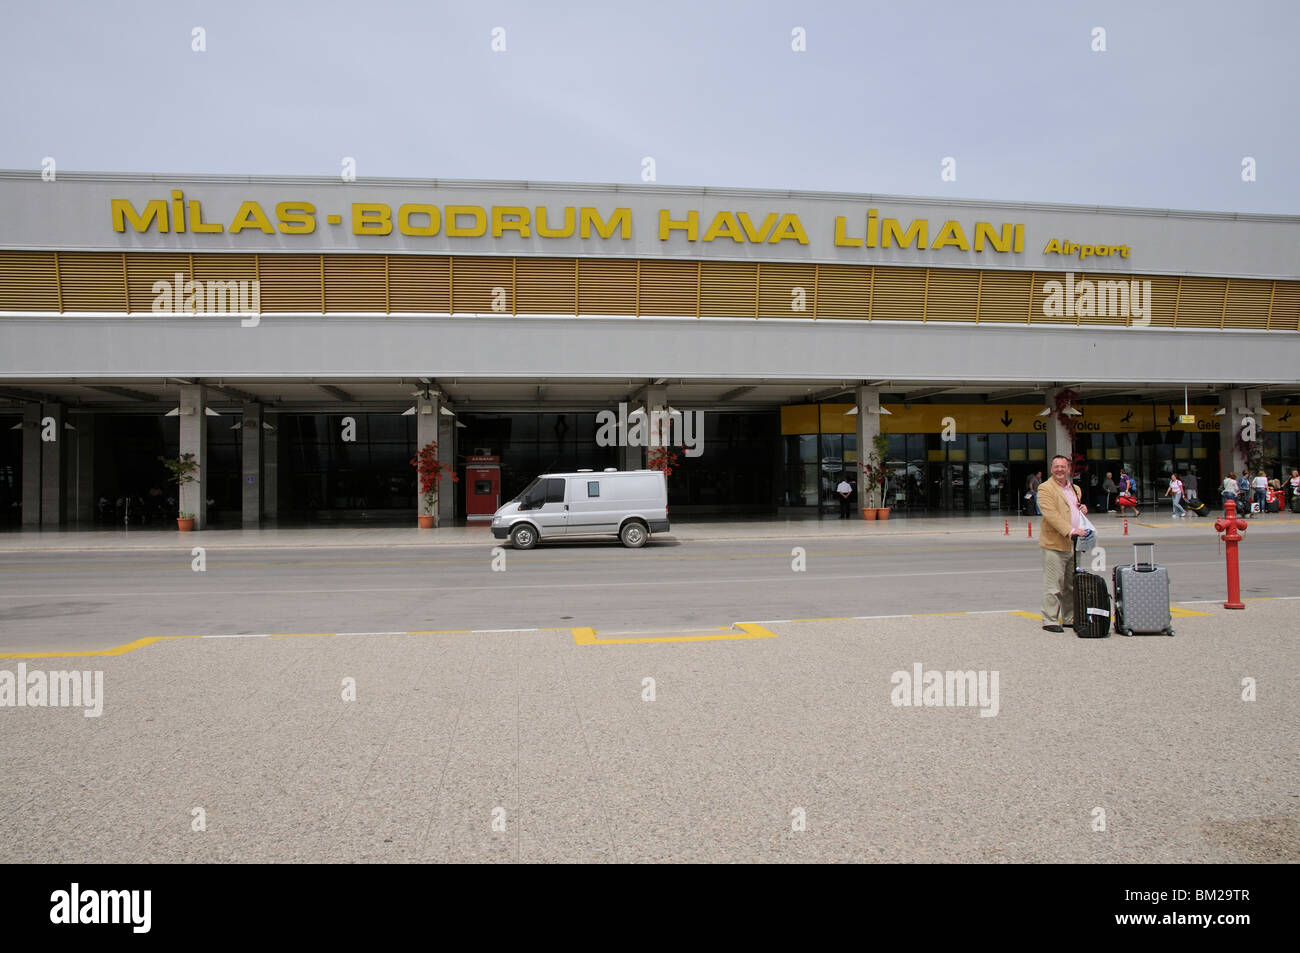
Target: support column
(447,442)
(194,439)
(1058,436)
(84,477)
(250,473)
(1241,404)
(31,465)
(54,462)
(656,399)
(867,400)
(426,429)
(271,466)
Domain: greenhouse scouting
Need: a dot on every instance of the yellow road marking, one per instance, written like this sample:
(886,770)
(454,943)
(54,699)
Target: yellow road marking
(1180,613)
(1027,615)
(748,630)
(116,650)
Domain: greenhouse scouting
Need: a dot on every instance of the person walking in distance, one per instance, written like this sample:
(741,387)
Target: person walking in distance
(1191,486)
(1032,483)
(1261,491)
(844,491)
(1109,489)
(1229,491)
(1293,486)
(1127,492)
(1176,491)
(1059,501)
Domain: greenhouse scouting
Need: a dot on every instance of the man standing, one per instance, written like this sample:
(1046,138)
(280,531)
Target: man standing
(1058,500)
(1191,486)
(845,490)
(1109,489)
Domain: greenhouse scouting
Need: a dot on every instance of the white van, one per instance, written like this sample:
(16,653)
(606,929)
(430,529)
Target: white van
(629,504)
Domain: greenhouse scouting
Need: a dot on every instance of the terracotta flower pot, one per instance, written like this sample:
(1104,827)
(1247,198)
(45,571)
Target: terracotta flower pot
(426,522)
(868,513)
(882,513)
(185,525)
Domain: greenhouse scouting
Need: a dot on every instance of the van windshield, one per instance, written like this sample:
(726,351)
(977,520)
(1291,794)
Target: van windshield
(523,494)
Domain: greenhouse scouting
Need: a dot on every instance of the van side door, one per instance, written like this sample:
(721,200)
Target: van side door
(589,505)
(552,516)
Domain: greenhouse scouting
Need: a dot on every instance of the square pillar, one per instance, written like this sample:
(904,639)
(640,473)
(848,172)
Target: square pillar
(447,442)
(194,439)
(251,481)
(867,400)
(1060,440)
(54,462)
(31,465)
(1241,404)
(426,429)
(271,466)
(83,496)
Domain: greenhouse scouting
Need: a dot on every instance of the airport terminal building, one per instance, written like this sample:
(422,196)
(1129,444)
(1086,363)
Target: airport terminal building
(304,337)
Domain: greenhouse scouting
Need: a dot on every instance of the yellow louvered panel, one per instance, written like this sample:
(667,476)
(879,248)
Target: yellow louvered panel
(606,286)
(899,294)
(781,287)
(27,281)
(143,270)
(1005,297)
(1164,295)
(843,291)
(418,284)
(225,267)
(668,287)
(475,280)
(1200,304)
(290,282)
(92,281)
(1248,303)
(354,283)
(952,294)
(1043,298)
(1286,306)
(543,285)
(728,289)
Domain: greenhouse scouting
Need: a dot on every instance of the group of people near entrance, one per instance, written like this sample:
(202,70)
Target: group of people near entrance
(1060,503)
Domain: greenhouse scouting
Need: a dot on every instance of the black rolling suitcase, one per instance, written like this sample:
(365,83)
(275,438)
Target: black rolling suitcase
(1295,502)
(1091,603)
(1199,507)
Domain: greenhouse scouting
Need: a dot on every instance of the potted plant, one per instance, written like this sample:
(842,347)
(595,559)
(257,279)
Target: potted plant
(182,470)
(874,476)
(430,470)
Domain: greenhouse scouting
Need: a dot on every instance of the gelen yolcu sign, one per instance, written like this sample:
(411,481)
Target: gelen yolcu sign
(1024,418)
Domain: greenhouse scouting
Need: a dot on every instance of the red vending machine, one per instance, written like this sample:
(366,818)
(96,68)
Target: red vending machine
(482,486)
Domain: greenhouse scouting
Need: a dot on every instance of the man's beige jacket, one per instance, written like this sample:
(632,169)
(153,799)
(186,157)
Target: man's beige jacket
(1055,530)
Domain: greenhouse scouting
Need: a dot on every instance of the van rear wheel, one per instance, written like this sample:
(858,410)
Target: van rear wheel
(633,535)
(523,536)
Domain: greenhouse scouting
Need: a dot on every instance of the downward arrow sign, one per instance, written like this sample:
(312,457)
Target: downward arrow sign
(1006,418)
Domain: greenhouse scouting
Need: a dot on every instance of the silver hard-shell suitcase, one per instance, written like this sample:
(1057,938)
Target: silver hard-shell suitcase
(1142,596)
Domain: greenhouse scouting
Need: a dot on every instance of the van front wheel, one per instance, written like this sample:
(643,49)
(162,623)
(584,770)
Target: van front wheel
(633,535)
(523,536)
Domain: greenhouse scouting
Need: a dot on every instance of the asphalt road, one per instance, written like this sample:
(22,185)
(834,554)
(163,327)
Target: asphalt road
(96,600)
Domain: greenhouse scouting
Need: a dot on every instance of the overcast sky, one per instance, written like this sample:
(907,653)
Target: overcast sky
(713,92)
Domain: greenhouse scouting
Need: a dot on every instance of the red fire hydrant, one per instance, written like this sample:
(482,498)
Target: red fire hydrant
(1231,525)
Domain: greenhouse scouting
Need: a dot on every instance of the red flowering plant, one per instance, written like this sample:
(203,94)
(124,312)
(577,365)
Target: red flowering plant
(430,470)
(663,458)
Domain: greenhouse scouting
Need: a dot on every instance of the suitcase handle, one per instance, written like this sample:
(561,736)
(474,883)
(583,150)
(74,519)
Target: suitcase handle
(1151,561)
